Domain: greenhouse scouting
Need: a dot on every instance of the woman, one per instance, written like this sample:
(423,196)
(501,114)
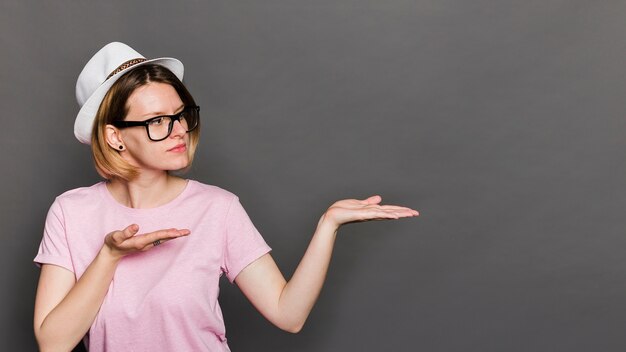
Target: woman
(133,263)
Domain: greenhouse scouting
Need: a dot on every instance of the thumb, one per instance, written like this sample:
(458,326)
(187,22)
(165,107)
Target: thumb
(130,231)
(373,199)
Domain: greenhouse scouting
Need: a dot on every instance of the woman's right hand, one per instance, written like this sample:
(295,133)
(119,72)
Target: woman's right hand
(125,242)
(62,298)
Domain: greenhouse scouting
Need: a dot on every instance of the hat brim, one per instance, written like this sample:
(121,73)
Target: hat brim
(84,120)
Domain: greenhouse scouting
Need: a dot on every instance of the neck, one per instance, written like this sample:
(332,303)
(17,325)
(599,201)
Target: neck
(148,190)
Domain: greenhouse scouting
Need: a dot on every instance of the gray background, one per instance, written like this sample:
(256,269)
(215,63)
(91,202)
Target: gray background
(501,121)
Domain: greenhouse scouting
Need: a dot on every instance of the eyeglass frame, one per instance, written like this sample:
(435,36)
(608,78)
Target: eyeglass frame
(173,118)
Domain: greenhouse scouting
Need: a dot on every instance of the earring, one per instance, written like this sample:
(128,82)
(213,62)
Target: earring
(121,147)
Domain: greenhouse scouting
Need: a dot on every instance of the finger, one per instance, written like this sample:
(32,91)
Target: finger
(159,242)
(377,213)
(400,209)
(161,235)
(403,211)
(391,213)
(407,213)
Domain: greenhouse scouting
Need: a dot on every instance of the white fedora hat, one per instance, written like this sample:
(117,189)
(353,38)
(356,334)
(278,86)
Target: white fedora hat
(103,69)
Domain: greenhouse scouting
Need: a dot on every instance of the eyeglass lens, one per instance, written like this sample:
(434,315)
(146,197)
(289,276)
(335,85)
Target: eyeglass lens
(161,126)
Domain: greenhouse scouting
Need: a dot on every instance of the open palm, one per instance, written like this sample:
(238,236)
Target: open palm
(354,210)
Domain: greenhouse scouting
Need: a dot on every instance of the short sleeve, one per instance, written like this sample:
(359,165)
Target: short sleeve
(243,244)
(53,248)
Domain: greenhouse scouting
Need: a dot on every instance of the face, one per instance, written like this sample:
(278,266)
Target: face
(148,101)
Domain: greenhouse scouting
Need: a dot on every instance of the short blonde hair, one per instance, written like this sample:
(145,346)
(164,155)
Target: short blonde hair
(108,161)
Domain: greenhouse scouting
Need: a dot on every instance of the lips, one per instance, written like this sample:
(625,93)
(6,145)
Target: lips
(179,148)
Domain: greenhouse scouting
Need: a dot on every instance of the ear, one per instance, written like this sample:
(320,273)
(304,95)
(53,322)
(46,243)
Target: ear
(114,138)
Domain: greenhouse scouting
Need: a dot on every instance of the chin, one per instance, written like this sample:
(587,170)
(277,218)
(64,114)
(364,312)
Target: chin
(178,166)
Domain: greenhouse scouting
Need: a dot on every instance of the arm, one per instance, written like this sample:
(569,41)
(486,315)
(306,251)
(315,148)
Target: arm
(288,304)
(66,308)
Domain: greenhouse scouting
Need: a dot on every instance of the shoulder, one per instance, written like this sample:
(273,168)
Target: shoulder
(77,198)
(82,191)
(81,194)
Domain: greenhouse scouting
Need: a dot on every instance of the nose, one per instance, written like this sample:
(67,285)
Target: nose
(178,129)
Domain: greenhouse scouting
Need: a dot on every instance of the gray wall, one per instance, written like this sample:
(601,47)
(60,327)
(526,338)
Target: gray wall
(501,121)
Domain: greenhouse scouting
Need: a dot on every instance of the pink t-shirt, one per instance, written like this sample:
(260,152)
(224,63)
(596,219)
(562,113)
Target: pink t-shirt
(164,299)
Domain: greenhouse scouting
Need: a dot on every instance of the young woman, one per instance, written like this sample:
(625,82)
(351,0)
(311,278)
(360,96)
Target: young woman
(133,263)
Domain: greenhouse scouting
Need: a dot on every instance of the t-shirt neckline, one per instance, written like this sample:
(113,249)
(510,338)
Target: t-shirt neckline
(104,191)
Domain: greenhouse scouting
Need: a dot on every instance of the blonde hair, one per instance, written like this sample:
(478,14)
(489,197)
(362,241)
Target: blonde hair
(108,161)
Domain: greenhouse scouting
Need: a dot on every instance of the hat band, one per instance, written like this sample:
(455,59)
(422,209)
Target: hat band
(125,65)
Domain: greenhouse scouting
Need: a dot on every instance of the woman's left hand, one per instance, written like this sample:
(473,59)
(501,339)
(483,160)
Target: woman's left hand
(354,210)
(288,304)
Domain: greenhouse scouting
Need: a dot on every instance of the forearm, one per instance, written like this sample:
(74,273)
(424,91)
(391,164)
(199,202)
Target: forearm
(301,292)
(69,321)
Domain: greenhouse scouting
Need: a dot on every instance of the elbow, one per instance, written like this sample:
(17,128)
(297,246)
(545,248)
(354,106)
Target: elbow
(295,330)
(289,322)
(47,347)
(43,345)
(43,348)
(292,328)
(289,325)
(40,343)
(47,344)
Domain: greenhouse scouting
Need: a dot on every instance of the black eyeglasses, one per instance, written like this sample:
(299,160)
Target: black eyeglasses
(160,127)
